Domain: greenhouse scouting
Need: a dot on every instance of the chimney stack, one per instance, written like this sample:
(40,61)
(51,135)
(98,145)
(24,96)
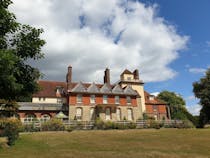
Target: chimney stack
(107,76)
(136,74)
(69,74)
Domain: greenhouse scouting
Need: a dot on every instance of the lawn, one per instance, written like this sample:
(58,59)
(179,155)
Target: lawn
(166,143)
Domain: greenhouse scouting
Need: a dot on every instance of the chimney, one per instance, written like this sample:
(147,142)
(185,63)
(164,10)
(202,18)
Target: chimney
(107,76)
(69,74)
(136,74)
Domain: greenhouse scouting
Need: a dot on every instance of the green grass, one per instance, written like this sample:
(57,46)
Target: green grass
(166,143)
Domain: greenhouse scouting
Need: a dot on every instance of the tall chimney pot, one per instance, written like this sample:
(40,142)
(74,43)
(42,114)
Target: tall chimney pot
(107,76)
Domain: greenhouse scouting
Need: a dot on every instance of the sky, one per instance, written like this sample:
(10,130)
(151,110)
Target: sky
(168,41)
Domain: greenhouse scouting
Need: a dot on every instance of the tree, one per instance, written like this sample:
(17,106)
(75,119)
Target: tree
(174,101)
(201,90)
(18,44)
(177,106)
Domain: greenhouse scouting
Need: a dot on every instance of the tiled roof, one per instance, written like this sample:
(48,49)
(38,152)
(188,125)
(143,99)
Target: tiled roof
(48,88)
(155,101)
(129,90)
(79,88)
(105,88)
(93,88)
(126,71)
(117,89)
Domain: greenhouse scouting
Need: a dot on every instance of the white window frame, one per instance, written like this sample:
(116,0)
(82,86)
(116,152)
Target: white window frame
(108,114)
(29,118)
(92,113)
(45,118)
(92,99)
(105,99)
(117,99)
(130,114)
(79,113)
(79,98)
(119,114)
(128,99)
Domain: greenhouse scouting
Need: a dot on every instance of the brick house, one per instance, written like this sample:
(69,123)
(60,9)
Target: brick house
(125,99)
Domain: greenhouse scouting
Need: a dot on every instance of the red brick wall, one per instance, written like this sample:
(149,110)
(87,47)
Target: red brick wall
(160,108)
(99,99)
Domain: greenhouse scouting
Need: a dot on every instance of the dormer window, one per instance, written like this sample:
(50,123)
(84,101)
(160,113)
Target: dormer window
(128,78)
(151,97)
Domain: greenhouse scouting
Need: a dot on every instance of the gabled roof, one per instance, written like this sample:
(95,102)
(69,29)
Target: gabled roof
(129,90)
(93,88)
(126,71)
(117,89)
(48,88)
(79,88)
(155,101)
(105,88)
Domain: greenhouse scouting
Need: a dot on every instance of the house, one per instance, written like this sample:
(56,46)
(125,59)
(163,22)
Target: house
(124,100)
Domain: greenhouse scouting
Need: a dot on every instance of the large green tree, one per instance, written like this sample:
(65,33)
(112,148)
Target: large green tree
(174,101)
(201,90)
(177,106)
(18,44)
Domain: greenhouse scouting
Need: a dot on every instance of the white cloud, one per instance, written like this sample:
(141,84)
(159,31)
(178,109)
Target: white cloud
(190,98)
(197,70)
(155,93)
(92,35)
(208,43)
(194,109)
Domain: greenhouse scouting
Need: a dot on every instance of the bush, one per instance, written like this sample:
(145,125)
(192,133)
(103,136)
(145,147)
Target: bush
(30,128)
(154,124)
(99,124)
(53,125)
(10,128)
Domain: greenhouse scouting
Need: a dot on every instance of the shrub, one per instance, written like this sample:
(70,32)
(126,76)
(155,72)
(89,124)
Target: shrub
(154,124)
(10,128)
(99,124)
(132,125)
(53,125)
(30,128)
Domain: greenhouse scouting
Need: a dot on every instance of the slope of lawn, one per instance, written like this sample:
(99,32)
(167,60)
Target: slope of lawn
(166,143)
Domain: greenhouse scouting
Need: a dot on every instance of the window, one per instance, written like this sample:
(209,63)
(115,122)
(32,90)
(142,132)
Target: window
(105,99)
(155,108)
(40,98)
(128,98)
(117,100)
(108,114)
(79,113)
(45,118)
(92,113)
(79,98)
(118,114)
(59,100)
(29,118)
(151,97)
(130,114)
(92,99)
(43,99)
(128,78)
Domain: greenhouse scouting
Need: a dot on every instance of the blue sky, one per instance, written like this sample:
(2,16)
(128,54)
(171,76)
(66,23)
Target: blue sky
(192,18)
(168,42)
